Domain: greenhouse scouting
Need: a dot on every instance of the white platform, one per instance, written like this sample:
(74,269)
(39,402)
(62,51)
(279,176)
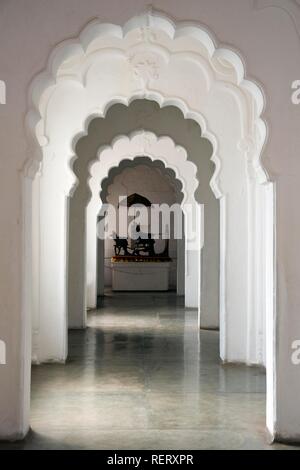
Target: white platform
(140,276)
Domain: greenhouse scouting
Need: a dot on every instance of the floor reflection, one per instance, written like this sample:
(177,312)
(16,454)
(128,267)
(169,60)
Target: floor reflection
(142,377)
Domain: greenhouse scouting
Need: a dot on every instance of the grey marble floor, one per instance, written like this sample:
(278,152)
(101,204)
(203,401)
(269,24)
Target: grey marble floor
(142,377)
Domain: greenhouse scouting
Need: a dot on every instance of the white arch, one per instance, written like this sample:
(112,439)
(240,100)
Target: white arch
(147,44)
(143,143)
(106,195)
(151,57)
(168,173)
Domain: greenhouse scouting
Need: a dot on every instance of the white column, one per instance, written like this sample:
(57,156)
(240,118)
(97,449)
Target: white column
(100,266)
(181,265)
(35,267)
(192,254)
(260,214)
(52,344)
(77,264)
(26,312)
(210,268)
(270,324)
(234,278)
(91,256)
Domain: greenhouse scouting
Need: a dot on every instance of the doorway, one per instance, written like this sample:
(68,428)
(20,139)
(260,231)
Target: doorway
(238,181)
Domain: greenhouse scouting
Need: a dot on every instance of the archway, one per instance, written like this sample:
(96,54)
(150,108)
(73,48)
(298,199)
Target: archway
(158,184)
(169,178)
(155,59)
(102,131)
(157,149)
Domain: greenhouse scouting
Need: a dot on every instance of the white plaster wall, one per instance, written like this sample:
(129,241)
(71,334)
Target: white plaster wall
(252,26)
(150,183)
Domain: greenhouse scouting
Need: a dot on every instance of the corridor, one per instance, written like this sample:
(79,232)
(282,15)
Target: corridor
(141,377)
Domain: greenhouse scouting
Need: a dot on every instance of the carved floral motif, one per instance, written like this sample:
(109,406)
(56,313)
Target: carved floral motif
(145,67)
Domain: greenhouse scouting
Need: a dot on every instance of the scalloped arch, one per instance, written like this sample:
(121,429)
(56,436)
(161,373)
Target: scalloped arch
(161,150)
(144,143)
(162,102)
(179,64)
(114,172)
(147,32)
(96,32)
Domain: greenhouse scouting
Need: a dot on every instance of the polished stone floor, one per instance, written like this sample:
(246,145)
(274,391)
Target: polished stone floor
(142,377)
